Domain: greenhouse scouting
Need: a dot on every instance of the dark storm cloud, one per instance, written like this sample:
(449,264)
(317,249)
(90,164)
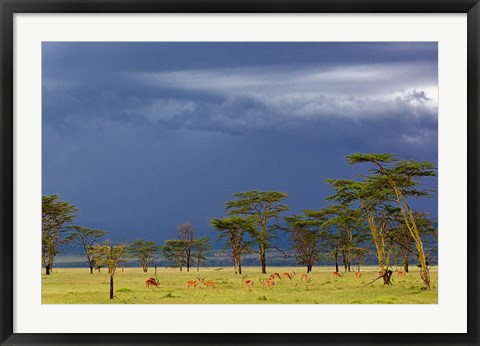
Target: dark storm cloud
(143,136)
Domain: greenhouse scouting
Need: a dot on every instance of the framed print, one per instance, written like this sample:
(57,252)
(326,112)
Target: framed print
(239,173)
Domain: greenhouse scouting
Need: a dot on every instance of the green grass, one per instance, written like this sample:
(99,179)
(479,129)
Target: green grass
(78,286)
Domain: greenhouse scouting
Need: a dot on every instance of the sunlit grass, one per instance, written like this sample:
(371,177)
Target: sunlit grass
(78,286)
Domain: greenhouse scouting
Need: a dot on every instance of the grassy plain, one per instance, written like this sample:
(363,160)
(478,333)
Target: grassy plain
(78,286)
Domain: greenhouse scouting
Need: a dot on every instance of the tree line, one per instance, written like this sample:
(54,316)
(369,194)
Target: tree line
(371,213)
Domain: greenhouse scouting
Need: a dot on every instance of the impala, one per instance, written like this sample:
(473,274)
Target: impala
(268,283)
(247,283)
(358,274)
(193,283)
(401,272)
(336,274)
(152,282)
(303,277)
(274,275)
(288,275)
(208,283)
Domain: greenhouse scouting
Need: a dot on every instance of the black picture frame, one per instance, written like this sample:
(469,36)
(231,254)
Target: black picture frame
(10,7)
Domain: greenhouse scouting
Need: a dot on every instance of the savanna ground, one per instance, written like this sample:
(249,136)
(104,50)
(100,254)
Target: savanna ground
(78,286)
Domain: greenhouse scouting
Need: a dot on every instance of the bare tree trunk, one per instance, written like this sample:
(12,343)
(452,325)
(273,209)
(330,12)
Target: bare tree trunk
(91,269)
(47,269)
(111,287)
(235,264)
(336,260)
(188,262)
(386,276)
(263,260)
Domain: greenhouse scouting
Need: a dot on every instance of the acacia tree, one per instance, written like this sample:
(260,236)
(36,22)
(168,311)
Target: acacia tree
(350,232)
(403,240)
(56,216)
(233,230)
(109,255)
(144,251)
(174,251)
(264,209)
(86,238)
(402,177)
(200,249)
(186,234)
(372,200)
(305,235)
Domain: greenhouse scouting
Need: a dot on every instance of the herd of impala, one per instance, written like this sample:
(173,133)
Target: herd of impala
(270,282)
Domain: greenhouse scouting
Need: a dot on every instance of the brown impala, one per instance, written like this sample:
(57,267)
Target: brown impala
(303,277)
(288,275)
(193,283)
(152,282)
(401,272)
(274,275)
(358,274)
(268,283)
(336,274)
(247,283)
(208,283)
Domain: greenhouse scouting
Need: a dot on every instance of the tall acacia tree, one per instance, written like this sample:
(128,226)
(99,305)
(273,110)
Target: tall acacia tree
(403,178)
(86,238)
(264,208)
(144,251)
(56,216)
(234,230)
(373,201)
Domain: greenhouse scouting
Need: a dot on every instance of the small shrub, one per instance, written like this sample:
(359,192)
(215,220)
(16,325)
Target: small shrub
(262,298)
(124,289)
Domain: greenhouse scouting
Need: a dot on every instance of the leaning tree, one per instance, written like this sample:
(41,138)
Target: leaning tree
(387,187)
(403,178)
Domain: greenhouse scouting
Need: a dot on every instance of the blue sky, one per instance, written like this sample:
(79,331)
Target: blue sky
(142,137)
